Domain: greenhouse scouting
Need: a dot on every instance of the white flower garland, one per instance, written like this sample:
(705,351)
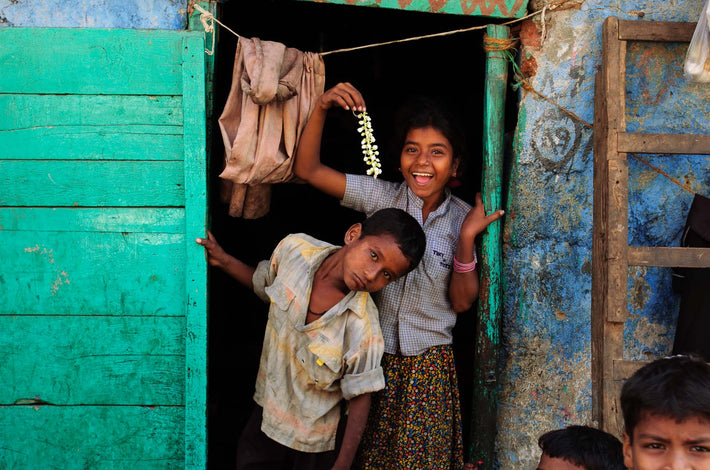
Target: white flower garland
(369,149)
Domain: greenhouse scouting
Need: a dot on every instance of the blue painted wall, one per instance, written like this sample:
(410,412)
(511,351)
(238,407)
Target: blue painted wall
(132,14)
(548,233)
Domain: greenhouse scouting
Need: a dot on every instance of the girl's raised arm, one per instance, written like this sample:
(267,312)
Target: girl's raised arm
(307,164)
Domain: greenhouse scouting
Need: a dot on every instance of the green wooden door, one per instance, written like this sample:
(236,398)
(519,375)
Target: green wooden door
(102,193)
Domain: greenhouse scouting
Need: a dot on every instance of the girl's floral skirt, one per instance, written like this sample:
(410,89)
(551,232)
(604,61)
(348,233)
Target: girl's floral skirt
(415,422)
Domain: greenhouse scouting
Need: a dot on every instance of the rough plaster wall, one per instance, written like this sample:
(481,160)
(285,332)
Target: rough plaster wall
(132,14)
(546,382)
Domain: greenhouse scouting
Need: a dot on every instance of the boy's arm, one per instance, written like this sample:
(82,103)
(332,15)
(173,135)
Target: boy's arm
(307,164)
(216,256)
(463,287)
(359,408)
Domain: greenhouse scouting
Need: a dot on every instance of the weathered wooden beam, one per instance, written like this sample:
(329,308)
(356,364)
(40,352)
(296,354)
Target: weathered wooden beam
(196,308)
(682,144)
(609,273)
(669,257)
(486,373)
(658,31)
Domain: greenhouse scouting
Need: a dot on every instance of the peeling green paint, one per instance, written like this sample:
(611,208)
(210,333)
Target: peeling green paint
(492,8)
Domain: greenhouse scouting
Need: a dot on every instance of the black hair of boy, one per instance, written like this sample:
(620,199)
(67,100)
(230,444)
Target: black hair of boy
(584,446)
(676,387)
(402,227)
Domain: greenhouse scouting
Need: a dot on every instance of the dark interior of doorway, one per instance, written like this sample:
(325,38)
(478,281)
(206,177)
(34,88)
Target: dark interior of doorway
(449,68)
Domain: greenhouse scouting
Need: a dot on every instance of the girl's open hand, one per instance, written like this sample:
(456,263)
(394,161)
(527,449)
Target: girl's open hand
(476,220)
(216,256)
(343,95)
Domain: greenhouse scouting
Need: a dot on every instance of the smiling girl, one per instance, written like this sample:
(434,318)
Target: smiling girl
(415,423)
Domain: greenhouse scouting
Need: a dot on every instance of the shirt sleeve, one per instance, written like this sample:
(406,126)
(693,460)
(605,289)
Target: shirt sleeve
(266,272)
(363,373)
(367,194)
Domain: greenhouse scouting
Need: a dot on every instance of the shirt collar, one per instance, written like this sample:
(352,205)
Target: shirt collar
(418,202)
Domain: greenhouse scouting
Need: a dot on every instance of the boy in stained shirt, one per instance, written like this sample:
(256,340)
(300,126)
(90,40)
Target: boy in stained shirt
(322,342)
(666,408)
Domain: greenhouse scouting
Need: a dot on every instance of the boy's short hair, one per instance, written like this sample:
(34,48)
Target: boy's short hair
(676,387)
(584,446)
(403,227)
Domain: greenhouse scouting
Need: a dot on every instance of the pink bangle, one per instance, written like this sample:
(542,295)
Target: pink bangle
(460,267)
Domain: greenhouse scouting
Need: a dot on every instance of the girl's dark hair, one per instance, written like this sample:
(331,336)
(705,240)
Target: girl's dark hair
(422,111)
(403,227)
(676,387)
(584,446)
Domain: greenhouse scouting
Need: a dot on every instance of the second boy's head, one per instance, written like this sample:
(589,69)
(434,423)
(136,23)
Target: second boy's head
(580,448)
(666,408)
(384,247)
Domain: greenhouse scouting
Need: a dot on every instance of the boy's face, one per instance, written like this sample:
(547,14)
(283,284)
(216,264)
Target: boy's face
(665,444)
(372,262)
(556,463)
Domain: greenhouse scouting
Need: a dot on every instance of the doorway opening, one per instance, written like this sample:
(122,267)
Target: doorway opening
(449,68)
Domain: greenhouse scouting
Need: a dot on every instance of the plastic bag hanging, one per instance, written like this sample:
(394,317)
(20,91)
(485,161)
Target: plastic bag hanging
(697,59)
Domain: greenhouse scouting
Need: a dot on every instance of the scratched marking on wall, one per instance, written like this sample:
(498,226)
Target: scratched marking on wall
(61,278)
(557,141)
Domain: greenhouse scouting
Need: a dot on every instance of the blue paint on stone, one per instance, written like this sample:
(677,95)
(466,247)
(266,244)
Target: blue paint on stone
(546,383)
(130,14)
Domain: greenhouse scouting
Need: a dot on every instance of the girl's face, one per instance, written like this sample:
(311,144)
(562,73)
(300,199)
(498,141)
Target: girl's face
(427,163)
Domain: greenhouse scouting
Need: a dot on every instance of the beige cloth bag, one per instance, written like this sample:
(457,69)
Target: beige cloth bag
(273,91)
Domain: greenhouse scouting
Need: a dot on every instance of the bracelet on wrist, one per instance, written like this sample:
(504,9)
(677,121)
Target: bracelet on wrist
(460,267)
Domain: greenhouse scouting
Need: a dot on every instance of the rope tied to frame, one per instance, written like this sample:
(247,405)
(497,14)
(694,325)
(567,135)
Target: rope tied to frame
(559,5)
(498,44)
(208,18)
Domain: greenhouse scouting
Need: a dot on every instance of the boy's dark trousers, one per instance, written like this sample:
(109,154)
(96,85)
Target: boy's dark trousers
(257,451)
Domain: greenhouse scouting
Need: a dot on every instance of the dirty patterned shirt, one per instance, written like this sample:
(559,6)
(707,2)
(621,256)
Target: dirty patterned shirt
(306,370)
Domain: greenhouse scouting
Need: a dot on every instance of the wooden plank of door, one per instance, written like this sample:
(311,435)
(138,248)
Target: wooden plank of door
(141,365)
(91,183)
(92,273)
(115,66)
(95,437)
(193,78)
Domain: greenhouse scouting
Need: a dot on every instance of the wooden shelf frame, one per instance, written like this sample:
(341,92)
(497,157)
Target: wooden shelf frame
(611,254)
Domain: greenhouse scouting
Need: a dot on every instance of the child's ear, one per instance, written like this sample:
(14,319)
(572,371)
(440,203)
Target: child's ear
(455,167)
(353,233)
(628,452)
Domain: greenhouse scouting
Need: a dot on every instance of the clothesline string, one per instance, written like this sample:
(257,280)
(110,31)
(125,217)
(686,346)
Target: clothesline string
(490,45)
(206,16)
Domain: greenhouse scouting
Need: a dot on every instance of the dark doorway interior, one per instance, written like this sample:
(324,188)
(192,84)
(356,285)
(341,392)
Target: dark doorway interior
(450,68)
